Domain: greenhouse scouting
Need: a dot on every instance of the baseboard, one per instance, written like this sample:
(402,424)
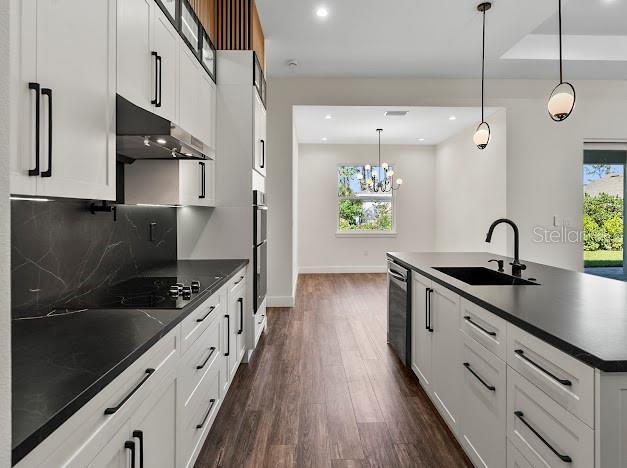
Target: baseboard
(342,269)
(281,301)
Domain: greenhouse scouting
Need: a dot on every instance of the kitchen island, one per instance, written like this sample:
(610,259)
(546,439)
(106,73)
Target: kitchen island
(524,375)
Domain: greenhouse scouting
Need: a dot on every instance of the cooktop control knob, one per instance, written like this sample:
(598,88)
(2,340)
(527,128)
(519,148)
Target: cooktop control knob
(195,286)
(174,290)
(180,286)
(187,292)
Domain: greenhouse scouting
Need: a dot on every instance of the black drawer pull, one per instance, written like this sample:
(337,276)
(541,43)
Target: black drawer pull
(208,313)
(489,387)
(140,435)
(48,92)
(564,458)
(241,316)
(158,103)
(565,382)
(130,445)
(114,409)
(211,351)
(263,154)
(37,88)
(428,323)
(202,180)
(468,319)
(204,420)
(238,281)
(156,98)
(228,334)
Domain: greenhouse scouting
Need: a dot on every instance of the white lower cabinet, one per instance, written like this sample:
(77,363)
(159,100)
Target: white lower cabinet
(118,452)
(445,354)
(515,459)
(483,405)
(544,432)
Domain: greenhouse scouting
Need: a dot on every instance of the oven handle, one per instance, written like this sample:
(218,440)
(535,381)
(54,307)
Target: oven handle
(397,276)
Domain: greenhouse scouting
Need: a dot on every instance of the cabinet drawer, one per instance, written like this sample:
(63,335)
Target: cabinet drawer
(197,418)
(260,320)
(483,405)
(485,327)
(197,322)
(514,458)
(543,431)
(199,359)
(237,280)
(565,379)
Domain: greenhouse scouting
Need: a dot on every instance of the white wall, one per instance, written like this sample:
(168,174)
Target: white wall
(470,190)
(5,236)
(544,158)
(320,249)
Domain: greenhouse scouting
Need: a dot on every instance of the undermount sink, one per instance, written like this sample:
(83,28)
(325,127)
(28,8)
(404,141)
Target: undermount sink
(481,276)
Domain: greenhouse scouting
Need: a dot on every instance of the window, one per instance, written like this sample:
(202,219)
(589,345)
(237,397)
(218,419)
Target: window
(361,211)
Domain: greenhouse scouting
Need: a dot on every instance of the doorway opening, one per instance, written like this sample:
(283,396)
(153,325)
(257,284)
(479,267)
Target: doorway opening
(604,210)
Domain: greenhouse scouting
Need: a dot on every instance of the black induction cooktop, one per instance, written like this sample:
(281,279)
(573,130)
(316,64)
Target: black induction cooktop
(145,292)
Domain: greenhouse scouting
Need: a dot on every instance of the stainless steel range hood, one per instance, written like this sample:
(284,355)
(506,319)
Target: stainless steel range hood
(144,135)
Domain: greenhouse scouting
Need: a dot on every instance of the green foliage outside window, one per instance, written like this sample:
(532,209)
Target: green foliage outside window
(603,222)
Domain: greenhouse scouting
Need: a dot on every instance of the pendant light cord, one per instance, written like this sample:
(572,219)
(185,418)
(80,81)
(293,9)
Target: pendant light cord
(559,15)
(483,65)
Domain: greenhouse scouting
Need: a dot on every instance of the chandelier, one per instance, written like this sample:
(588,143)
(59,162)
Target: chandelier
(378,179)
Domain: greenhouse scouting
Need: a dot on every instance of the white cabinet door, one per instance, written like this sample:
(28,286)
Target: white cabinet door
(136,64)
(76,62)
(165,42)
(237,303)
(230,346)
(421,336)
(207,104)
(259,161)
(153,428)
(446,354)
(118,452)
(483,405)
(189,91)
(24,160)
(197,183)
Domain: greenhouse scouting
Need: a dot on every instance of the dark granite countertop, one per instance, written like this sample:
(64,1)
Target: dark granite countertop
(583,315)
(60,362)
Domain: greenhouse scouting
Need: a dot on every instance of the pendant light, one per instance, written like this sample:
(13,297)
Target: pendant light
(482,134)
(379,180)
(562,99)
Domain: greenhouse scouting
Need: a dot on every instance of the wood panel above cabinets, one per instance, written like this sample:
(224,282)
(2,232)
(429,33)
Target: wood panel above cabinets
(239,27)
(206,11)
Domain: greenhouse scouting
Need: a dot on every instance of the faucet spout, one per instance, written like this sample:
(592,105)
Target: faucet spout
(517,267)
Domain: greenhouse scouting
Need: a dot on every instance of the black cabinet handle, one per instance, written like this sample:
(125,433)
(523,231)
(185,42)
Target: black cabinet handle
(564,458)
(114,409)
(37,88)
(428,326)
(565,382)
(202,180)
(211,351)
(489,387)
(204,420)
(140,435)
(241,316)
(238,281)
(202,319)
(263,154)
(130,445)
(48,92)
(156,98)
(158,104)
(228,334)
(468,319)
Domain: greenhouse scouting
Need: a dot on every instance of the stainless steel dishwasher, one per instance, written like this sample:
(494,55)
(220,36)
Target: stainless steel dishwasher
(399,311)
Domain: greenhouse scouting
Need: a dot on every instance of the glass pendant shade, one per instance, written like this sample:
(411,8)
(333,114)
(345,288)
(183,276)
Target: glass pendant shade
(562,101)
(482,135)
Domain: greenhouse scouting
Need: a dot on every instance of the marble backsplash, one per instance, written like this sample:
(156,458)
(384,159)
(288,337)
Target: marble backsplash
(60,251)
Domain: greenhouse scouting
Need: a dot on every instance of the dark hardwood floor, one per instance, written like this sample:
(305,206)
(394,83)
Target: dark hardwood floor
(326,391)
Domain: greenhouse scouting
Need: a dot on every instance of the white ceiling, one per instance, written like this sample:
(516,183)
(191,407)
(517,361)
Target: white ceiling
(358,124)
(442,38)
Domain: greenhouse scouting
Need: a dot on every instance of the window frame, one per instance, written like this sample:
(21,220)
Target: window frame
(370,197)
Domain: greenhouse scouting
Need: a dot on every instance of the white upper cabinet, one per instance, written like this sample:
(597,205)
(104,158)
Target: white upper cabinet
(259,162)
(65,110)
(147,57)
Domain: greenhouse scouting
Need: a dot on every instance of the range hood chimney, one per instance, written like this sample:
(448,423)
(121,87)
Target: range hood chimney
(144,135)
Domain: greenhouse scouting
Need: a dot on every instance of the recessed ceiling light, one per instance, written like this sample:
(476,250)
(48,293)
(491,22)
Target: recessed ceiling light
(396,113)
(421,139)
(324,138)
(328,116)
(452,117)
(161,141)
(322,12)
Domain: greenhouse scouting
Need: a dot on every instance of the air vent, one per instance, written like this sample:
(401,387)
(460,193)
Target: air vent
(396,113)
